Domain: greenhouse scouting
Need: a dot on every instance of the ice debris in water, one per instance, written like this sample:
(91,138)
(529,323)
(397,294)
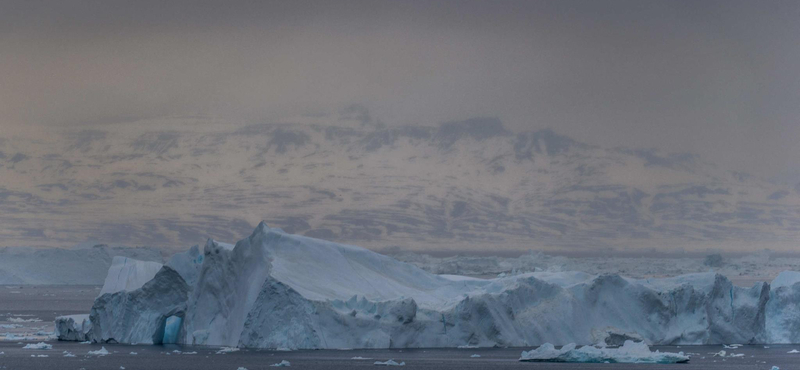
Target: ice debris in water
(793,351)
(225,350)
(630,352)
(40,345)
(283,363)
(475,356)
(100,352)
(390,363)
(360,358)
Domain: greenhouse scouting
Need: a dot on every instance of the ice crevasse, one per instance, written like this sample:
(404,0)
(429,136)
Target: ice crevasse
(274,289)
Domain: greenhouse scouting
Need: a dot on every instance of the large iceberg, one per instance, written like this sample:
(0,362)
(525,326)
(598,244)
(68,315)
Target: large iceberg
(278,290)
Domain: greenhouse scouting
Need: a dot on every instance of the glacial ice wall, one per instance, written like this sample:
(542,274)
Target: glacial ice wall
(275,289)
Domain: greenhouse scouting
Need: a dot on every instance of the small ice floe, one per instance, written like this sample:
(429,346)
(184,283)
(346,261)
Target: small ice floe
(2,353)
(86,342)
(283,363)
(68,354)
(475,356)
(40,356)
(19,320)
(793,351)
(122,368)
(225,350)
(630,352)
(100,352)
(467,346)
(390,363)
(775,368)
(241,368)
(283,349)
(189,353)
(360,358)
(40,345)
(134,353)
(731,346)
(765,347)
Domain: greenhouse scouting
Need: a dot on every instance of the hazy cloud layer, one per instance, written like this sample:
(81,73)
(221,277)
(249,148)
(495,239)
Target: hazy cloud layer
(715,77)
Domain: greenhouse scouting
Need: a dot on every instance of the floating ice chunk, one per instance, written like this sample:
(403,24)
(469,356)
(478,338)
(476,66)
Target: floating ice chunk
(73,328)
(40,356)
(731,346)
(100,352)
(630,352)
(360,358)
(793,351)
(283,363)
(242,368)
(225,350)
(134,353)
(467,346)
(390,363)
(17,319)
(775,368)
(40,345)
(475,356)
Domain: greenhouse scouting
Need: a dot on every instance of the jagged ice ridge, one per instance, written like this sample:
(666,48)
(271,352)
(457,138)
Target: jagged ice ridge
(275,289)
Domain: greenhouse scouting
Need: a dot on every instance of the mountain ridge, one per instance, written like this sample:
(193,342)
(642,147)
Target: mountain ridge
(462,185)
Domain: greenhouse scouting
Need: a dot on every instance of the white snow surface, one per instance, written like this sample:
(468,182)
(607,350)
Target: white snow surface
(127,274)
(630,352)
(274,290)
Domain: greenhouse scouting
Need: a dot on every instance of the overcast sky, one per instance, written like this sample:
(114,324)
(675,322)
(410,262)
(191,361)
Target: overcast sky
(718,78)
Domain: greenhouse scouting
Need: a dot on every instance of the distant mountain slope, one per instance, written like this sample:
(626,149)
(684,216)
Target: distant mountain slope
(82,266)
(467,185)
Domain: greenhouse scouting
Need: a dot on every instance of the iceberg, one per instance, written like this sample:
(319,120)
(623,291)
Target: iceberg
(128,274)
(40,345)
(630,352)
(76,328)
(389,363)
(278,290)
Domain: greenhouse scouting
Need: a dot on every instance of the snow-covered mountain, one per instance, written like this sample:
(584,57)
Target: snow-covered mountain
(81,266)
(468,185)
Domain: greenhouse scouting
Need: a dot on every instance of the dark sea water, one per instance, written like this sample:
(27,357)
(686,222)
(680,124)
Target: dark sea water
(47,302)
(164,357)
